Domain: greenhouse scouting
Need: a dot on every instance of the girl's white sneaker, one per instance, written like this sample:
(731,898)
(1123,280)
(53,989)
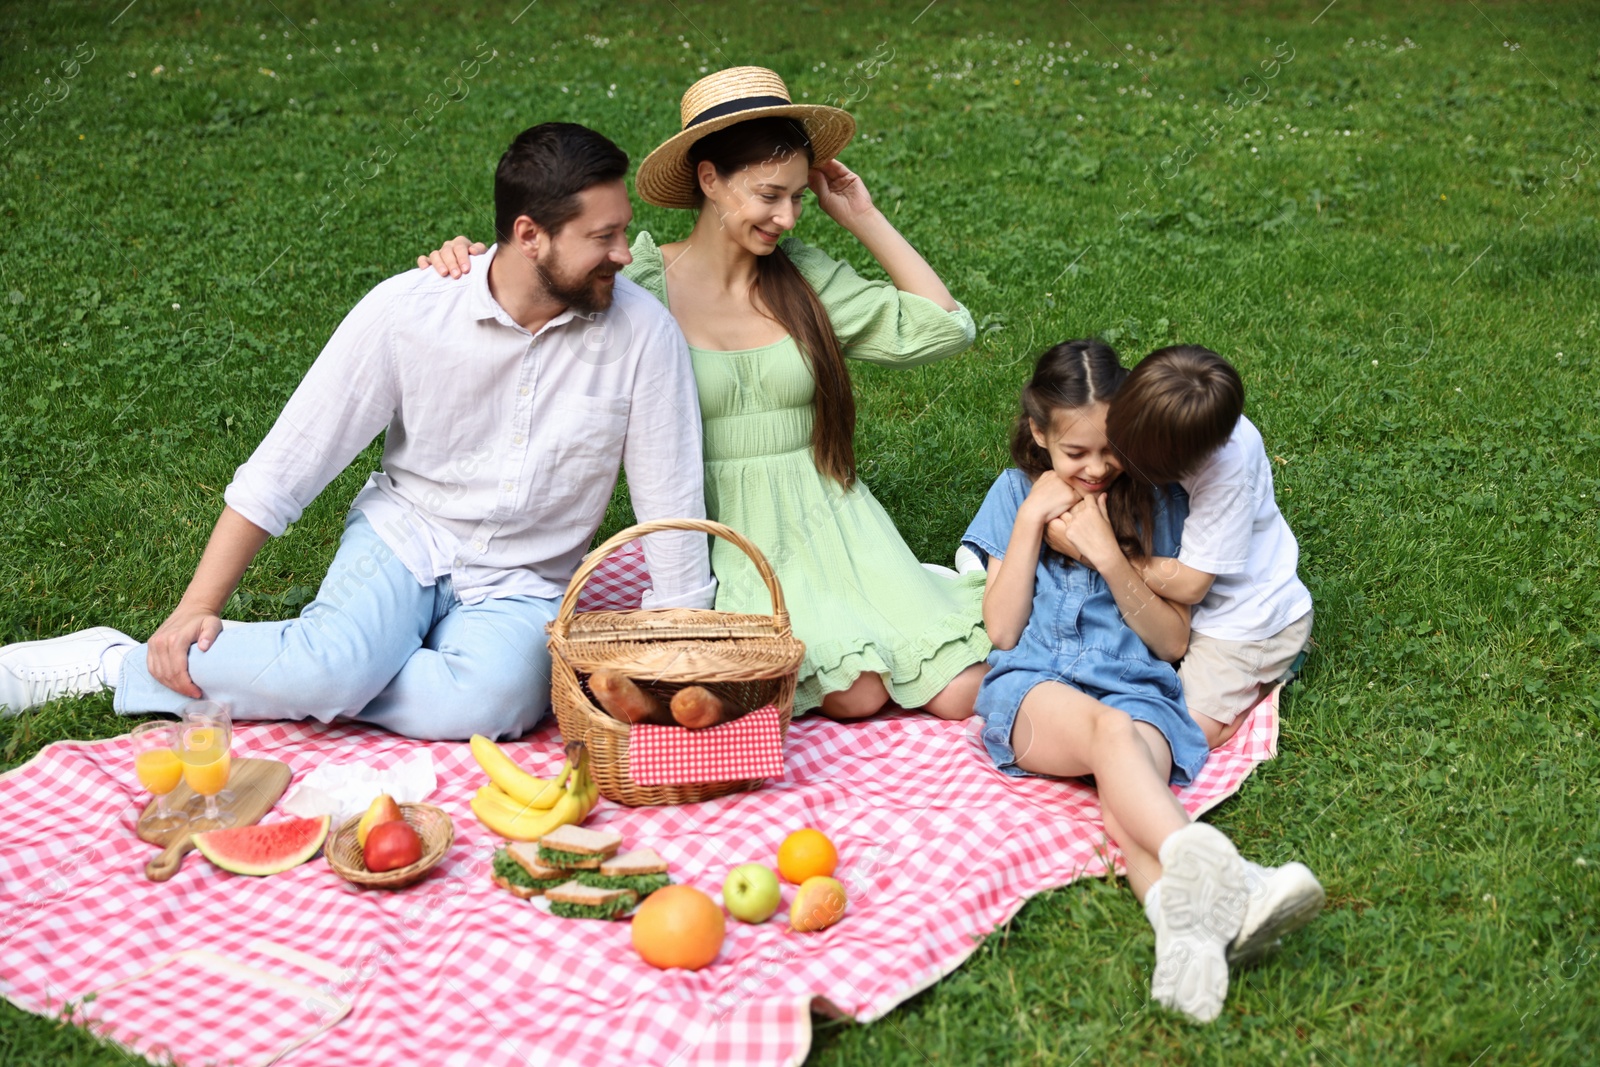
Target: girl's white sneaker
(1197,907)
(1282,900)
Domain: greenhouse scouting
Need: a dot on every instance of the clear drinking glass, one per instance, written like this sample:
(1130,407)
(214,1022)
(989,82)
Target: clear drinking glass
(205,746)
(156,763)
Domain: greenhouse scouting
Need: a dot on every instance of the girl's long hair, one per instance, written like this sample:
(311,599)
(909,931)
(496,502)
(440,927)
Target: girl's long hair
(789,298)
(1072,376)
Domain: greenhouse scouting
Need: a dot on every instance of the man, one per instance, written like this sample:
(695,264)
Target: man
(509,396)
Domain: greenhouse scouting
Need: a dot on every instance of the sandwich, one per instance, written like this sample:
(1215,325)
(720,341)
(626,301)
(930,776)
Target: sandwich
(641,870)
(509,875)
(573,900)
(520,875)
(518,871)
(574,848)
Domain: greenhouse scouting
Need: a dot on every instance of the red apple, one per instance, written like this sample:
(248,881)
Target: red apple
(390,846)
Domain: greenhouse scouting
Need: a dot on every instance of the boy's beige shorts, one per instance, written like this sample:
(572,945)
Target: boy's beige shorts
(1223,679)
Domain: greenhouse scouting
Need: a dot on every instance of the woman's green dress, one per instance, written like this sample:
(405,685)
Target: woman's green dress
(856,595)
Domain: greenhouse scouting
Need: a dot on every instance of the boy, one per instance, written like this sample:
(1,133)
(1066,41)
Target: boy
(1178,417)
(509,398)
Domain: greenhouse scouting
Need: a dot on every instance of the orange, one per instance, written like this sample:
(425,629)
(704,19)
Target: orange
(678,926)
(806,854)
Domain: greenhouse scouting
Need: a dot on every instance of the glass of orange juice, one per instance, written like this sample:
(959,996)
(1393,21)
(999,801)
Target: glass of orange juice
(204,747)
(155,761)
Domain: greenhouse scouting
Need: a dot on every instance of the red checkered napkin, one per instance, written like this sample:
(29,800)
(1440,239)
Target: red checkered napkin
(619,583)
(750,746)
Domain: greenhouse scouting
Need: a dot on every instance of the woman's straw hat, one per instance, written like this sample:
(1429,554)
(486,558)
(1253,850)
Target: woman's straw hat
(720,100)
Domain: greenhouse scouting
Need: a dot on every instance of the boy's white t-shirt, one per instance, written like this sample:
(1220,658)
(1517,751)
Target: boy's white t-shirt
(1236,532)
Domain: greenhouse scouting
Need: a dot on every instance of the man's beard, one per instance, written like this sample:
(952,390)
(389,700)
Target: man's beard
(587,296)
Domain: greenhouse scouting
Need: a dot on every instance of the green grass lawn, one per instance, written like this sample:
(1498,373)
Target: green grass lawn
(1383,213)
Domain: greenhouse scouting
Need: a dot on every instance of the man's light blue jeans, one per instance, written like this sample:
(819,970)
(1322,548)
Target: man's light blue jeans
(375,647)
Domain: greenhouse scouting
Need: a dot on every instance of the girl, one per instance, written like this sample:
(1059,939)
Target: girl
(1081,682)
(770,323)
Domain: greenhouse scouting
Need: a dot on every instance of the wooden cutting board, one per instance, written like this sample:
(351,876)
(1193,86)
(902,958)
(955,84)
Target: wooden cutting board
(256,785)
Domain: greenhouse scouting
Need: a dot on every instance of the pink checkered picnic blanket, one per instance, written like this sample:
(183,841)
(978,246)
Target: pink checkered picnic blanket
(454,971)
(750,746)
(247,1013)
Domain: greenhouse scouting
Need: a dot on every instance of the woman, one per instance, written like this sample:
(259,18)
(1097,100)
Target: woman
(769,322)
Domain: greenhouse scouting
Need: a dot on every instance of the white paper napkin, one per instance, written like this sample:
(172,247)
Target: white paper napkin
(345,790)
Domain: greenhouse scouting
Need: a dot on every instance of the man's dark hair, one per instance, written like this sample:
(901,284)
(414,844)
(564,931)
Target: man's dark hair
(545,169)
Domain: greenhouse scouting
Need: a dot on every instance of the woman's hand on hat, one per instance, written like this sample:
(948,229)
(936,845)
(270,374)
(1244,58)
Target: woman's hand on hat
(844,197)
(453,259)
(840,192)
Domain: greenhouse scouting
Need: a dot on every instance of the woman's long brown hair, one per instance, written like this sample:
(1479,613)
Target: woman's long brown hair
(1071,376)
(790,299)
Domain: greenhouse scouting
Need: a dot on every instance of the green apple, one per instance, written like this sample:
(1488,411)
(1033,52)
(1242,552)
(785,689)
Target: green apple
(751,892)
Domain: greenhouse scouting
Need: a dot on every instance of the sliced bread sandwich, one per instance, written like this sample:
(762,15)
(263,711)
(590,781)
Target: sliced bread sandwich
(642,870)
(574,848)
(509,875)
(518,863)
(574,900)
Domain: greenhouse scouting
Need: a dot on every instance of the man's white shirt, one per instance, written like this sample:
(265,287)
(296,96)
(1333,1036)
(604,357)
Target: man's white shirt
(502,446)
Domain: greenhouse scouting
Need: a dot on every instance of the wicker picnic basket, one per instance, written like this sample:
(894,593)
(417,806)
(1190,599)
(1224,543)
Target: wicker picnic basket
(749,660)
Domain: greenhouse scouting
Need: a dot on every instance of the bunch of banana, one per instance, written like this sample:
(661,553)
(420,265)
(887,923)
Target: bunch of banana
(520,807)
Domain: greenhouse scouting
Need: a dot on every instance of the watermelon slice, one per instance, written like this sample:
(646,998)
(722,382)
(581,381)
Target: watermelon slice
(269,848)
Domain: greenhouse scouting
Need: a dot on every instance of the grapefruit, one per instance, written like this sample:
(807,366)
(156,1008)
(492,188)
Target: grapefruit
(678,926)
(806,854)
(269,848)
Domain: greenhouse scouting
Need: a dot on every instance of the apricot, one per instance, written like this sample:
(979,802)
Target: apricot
(818,905)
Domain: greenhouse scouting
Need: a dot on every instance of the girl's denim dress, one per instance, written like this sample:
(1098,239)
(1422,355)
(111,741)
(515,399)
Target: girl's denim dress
(1076,635)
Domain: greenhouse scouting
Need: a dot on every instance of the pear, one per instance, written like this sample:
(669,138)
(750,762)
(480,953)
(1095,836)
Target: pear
(382,809)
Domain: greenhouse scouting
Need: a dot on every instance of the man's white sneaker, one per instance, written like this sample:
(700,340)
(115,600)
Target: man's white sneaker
(1196,907)
(1282,900)
(35,672)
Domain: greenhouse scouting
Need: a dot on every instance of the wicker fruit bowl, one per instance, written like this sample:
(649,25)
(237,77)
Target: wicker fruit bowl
(749,660)
(432,825)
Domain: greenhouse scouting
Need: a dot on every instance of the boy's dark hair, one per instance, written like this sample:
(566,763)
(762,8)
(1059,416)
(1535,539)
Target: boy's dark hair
(1069,377)
(545,169)
(1179,405)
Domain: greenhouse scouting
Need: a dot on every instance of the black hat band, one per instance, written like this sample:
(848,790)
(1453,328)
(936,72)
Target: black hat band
(730,107)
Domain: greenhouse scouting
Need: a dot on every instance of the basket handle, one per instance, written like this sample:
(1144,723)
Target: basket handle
(569,602)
